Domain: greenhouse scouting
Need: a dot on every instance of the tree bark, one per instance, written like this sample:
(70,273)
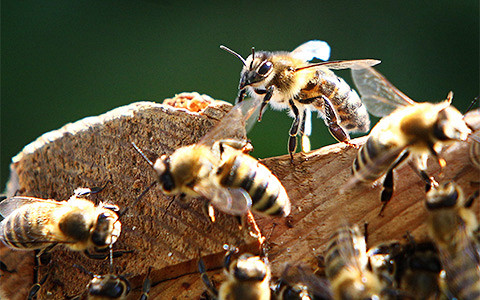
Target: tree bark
(92,151)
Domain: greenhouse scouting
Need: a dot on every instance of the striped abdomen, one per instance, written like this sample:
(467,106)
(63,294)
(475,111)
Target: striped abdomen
(374,159)
(462,273)
(341,253)
(346,267)
(27,228)
(350,109)
(266,191)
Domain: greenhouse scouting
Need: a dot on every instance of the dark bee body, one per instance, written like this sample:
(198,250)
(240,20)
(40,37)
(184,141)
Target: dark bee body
(287,80)
(452,225)
(266,192)
(420,129)
(352,113)
(33,223)
(347,266)
(110,286)
(221,171)
(248,278)
(299,283)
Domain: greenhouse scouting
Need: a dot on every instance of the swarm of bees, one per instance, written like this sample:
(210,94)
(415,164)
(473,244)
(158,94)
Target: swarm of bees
(220,169)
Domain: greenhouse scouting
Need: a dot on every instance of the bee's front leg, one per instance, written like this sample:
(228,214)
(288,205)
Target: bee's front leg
(266,99)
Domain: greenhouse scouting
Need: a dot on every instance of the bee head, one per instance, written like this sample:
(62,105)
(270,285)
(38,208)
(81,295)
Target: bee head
(450,125)
(249,268)
(106,230)
(111,286)
(444,196)
(256,68)
(164,175)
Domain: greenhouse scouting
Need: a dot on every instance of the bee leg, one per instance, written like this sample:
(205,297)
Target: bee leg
(102,256)
(147,284)
(292,140)
(332,121)
(387,191)
(470,200)
(212,290)
(241,95)
(36,287)
(4,268)
(266,99)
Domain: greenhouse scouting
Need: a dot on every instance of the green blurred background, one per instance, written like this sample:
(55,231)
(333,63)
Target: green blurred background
(65,60)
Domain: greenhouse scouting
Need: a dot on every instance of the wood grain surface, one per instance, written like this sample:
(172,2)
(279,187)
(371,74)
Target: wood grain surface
(92,151)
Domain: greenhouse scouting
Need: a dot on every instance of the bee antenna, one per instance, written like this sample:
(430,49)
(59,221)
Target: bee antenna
(142,154)
(253,56)
(138,199)
(472,104)
(234,53)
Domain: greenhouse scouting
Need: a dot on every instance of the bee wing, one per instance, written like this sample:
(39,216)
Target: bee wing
(8,205)
(460,260)
(317,286)
(236,123)
(232,201)
(312,49)
(379,95)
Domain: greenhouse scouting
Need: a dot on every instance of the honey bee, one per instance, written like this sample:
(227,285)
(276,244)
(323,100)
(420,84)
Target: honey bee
(300,283)
(452,225)
(221,171)
(248,278)
(347,267)
(419,129)
(411,268)
(33,223)
(288,80)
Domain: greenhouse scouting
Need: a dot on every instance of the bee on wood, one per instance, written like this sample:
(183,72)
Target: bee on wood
(408,128)
(111,286)
(288,80)
(300,283)
(453,226)
(78,224)
(347,266)
(248,278)
(412,268)
(219,169)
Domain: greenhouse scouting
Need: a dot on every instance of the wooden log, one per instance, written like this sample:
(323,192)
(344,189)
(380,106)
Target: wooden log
(91,151)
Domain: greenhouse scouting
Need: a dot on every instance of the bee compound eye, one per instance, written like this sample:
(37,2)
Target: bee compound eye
(265,68)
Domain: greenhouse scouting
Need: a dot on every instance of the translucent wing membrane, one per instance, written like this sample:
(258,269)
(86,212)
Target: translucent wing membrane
(378,94)
(8,205)
(235,124)
(343,64)
(234,201)
(311,50)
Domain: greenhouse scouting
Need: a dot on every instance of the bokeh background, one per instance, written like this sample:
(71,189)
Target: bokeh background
(65,60)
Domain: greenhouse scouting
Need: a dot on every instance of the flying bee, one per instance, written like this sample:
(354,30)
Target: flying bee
(33,223)
(221,171)
(453,224)
(419,129)
(288,80)
(347,266)
(248,278)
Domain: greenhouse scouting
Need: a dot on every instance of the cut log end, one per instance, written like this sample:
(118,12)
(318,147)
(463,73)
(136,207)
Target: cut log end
(91,151)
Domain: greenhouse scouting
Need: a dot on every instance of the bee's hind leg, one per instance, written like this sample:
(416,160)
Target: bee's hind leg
(332,122)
